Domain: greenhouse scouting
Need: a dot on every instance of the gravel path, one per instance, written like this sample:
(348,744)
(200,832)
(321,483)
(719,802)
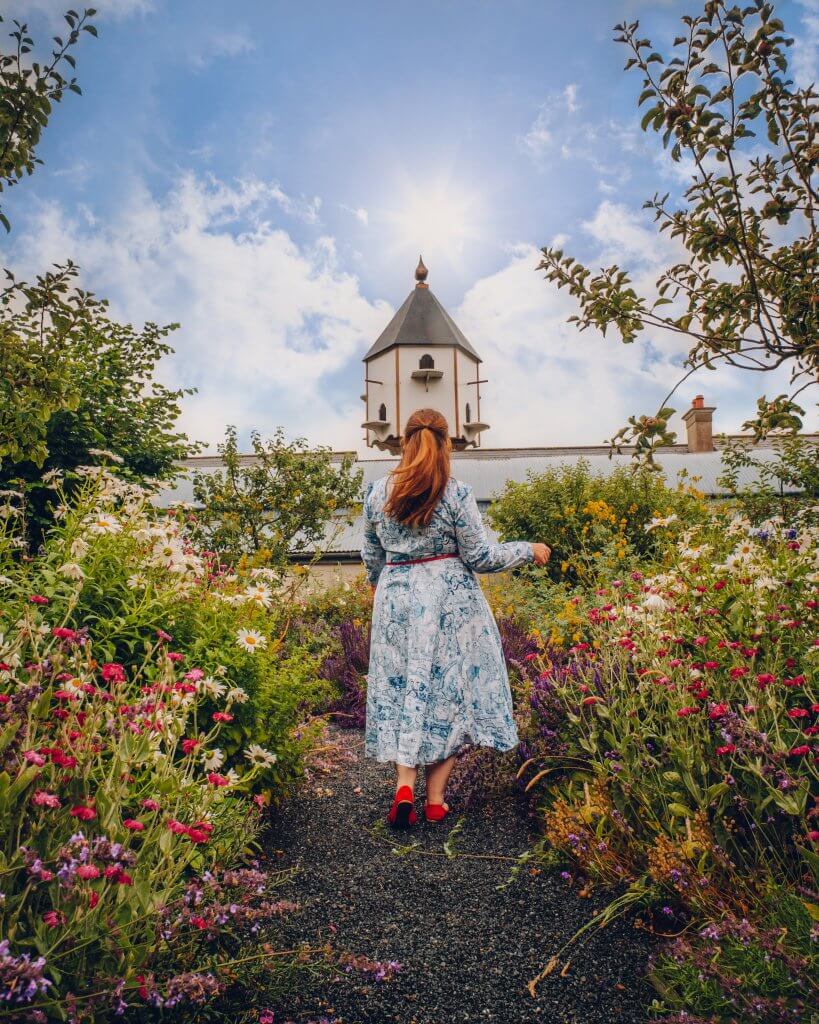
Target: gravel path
(466,948)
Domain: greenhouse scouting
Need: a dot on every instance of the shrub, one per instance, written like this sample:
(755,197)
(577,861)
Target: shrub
(593,523)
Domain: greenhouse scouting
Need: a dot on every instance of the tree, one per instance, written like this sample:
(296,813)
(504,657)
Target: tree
(281,502)
(73,380)
(27,94)
(748,293)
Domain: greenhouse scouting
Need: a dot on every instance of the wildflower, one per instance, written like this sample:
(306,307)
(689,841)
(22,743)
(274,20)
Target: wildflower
(257,755)
(112,672)
(251,640)
(189,745)
(588,701)
(718,711)
(104,524)
(134,825)
(212,759)
(800,751)
(685,712)
(54,918)
(84,813)
(222,716)
(175,656)
(765,679)
(150,805)
(164,637)
(72,571)
(215,779)
(38,599)
(213,687)
(795,713)
(260,593)
(43,799)
(727,748)
(236,695)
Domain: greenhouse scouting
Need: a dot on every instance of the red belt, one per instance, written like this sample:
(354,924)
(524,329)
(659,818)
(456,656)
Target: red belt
(418,561)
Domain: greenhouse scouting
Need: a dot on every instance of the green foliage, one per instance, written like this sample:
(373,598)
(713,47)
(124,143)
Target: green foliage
(796,468)
(73,380)
(28,91)
(746,295)
(286,499)
(593,523)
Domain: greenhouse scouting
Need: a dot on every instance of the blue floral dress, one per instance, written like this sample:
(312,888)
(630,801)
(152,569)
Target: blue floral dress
(437,680)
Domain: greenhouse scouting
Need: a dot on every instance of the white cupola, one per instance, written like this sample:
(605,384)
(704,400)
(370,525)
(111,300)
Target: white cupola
(421,360)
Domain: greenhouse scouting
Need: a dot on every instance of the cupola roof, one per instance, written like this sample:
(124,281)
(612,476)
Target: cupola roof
(421,321)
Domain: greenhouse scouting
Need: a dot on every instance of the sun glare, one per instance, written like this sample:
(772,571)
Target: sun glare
(441,219)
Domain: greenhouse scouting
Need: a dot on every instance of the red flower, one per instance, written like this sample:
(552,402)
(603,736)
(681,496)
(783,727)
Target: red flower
(685,712)
(215,779)
(765,679)
(64,633)
(798,713)
(588,701)
(88,871)
(729,748)
(175,656)
(134,825)
(188,746)
(177,827)
(150,805)
(718,711)
(738,673)
(197,835)
(701,641)
(93,898)
(799,751)
(54,918)
(719,585)
(222,716)
(795,681)
(38,599)
(813,835)
(112,672)
(83,813)
(163,636)
(199,922)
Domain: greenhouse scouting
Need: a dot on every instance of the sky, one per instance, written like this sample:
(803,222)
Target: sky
(266,174)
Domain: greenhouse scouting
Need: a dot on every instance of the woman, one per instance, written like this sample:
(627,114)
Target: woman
(437,679)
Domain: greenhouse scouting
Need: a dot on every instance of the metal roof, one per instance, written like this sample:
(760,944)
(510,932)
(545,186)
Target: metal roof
(487,471)
(421,321)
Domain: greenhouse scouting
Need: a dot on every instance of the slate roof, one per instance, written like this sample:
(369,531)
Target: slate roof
(421,321)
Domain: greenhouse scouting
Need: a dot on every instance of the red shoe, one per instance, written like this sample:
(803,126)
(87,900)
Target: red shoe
(402,813)
(435,812)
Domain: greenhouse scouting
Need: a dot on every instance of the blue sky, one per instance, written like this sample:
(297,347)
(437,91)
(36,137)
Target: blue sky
(266,173)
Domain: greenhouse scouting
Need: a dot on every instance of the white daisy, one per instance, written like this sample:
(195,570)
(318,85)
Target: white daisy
(260,593)
(72,571)
(103,523)
(236,695)
(654,603)
(79,548)
(212,687)
(657,521)
(258,755)
(251,639)
(103,453)
(212,759)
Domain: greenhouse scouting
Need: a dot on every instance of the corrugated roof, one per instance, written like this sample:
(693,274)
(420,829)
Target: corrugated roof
(421,321)
(488,470)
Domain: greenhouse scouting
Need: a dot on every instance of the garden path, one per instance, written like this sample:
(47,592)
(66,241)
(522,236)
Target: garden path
(467,948)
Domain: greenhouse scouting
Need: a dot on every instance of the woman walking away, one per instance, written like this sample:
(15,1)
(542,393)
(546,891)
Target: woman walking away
(437,681)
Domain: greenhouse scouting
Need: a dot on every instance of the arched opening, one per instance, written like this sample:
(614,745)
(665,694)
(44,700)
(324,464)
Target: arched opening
(382,413)
(468,414)
(426,362)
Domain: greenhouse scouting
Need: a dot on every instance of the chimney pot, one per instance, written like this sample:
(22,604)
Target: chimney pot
(699,424)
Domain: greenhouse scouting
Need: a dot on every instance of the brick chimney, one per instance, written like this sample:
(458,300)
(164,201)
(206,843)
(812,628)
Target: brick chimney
(698,421)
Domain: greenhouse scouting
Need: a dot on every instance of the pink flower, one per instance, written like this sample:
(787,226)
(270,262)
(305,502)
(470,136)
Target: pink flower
(83,813)
(150,805)
(163,636)
(175,656)
(266,1017)
(32,757)
(38,599)
(222,716)
(197,835)
(813,835)
(195,675)
(54,918)
(112,672)
(701,641)
(64,633)
(177,827)
(88,871)
(188,746)
(728,748)
(215,779)
(45,875)
(43,799)
(134,825)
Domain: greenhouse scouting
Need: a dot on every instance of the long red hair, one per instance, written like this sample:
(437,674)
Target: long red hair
(418,481)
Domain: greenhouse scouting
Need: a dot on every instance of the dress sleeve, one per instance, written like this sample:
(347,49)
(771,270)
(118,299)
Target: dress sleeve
(475,548)
(372,554)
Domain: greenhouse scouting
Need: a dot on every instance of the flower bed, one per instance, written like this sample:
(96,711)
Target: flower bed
(144,699)
(676,744)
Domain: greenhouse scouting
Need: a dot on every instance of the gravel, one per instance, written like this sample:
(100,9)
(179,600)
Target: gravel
(467,948)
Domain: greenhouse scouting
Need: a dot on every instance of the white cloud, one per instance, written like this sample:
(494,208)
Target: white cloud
(806,45)
(360,214)
(537,141)
(223,44)
(55,9)
(266,323)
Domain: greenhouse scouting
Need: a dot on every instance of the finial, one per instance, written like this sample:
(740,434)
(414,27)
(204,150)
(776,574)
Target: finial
(421,273)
